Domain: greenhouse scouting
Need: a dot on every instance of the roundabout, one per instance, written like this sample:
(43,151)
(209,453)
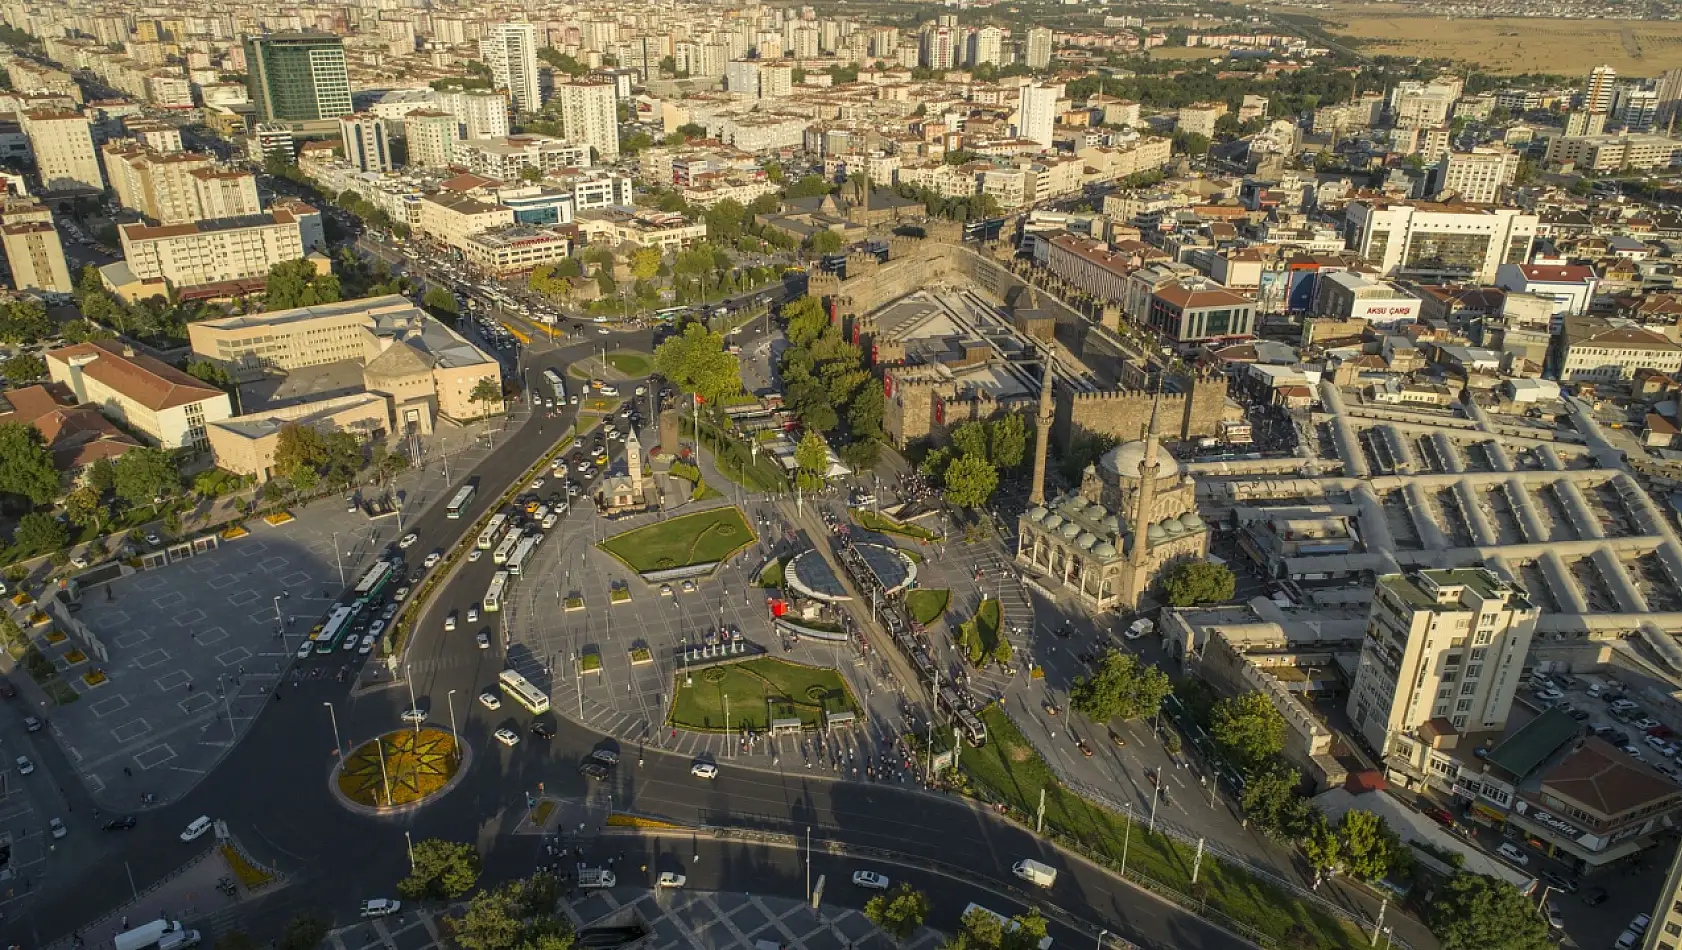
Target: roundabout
(400,770)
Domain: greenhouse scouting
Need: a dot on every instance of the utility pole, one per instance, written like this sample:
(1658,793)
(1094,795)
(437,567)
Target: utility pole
(337,745)
(1126,837)
(1156,796)
(1039,813)
(410,682)
(1378,925)
(339,559)
(1197,862)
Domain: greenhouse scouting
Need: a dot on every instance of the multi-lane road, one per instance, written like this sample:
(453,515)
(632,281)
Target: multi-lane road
(272,791)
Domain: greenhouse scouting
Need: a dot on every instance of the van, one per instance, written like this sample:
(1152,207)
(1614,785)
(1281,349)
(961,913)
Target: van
(199,826)
(596,878)
(1034,872)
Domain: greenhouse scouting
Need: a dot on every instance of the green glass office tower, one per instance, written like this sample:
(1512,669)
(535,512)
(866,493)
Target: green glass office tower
(297,77)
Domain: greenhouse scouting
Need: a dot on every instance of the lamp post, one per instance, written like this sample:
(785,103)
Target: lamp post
(1126,837)
(1156,796)
(337,745)
(410,682)
(338,559)
(279,622)
(729,743)
(411,843)
(450,701)
(1101,935)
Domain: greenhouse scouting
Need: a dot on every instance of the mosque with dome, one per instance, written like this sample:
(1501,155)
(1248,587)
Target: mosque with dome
(1087,543)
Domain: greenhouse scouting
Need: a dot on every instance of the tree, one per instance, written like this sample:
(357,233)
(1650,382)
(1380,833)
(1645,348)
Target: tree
(1248,729)
(297,283)
(1198,582)
(645,263)
(303,932)
(440,301)
(1320,845)
(980,930)
(1121,686)
(485,392)
(1195,144)
(898,914)
(812,454)
(970,481)
(25,321)
(935,462)
(144,474)
(209,373)
(810,186)
(443,870)
(531,173)
(824,242)
(84,507)
(298,449)
(724,219)
(488,923)
(864,413)
(40,533)
(1270,800)
(697,361)
(1370,849)
(23,368)
(970,439)
(26,466)
(1474,912)
(1008,440)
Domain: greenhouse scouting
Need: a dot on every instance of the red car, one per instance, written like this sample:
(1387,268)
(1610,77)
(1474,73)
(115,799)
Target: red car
(1440,815)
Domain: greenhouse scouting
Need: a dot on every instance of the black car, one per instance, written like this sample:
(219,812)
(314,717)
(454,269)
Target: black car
(594,770)
(120,824)
(1560,882)
(542,730)
(1595,896)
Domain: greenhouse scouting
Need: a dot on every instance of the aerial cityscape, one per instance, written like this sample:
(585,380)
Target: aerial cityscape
(841,476)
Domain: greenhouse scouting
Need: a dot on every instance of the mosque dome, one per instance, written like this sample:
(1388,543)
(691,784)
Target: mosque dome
(1070,529)
(1096,511)
(1103,549)
(1156,534)
(1052,522)
(1037,514)
(1112,522)
(1124,461)
(1191,521)
(1172,527)
(1086,540)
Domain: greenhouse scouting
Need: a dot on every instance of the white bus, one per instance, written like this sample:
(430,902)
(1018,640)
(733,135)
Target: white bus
(493,530)
(1007,923)
(458,504)
(500,555)
(517,561)
(336,619)
(523,692)
(493,593)
(557,385)
(372,580)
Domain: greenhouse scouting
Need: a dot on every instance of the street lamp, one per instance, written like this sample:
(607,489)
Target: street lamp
(337,745)
(450,701)
(410,682)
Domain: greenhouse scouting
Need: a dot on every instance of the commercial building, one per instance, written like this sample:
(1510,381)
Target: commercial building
(1571,287)
(1039,47)
(510,50)
(34,251)
(423,368)
(612,226)
(220,251)
(504,158)
(1595,349)
(449,218)
(1346,295)
(590,115)
(431,137)
(147,395)
(63,146)
(1476,176)
(298,78)
(246,445)
(514,250)
(1624,151)
(1087,264)
(1038,113)
(1439,240)
(1443,655)
(1192,312)
(365,143)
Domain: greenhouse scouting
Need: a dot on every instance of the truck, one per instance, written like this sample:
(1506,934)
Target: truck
(1035,872)
(159,934)
(596,878)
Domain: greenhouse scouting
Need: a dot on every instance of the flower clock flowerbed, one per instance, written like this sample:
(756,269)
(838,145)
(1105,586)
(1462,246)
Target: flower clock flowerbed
(417,765)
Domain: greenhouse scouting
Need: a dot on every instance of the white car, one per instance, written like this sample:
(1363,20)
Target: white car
(671,879)
(549,520)
(560,467)
(381,907)
(57,827)
(483,639)
(489,700)
(508,737)
(414,714)
(304,649)
(704,770)
(642,390)
(450,622)
(473,614)
(871,880)
(196,830)
(367,645)
(78,562)
(399,594)
(474,555)
(1513,854)
(536,484)
(24,765)
(408,540)
(1139,628)
(432,560)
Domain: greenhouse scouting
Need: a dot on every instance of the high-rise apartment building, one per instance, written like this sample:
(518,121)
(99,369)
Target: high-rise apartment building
(1635,108)
(482,114)
(365,142)
(63,147)
(1476,176)
(986,46)
(1037,116)
(297,77)
(741,77)
(590,116)
(776,80)
(1664,931)
(431,138)
(510,50)
(34,251)
(1598,92)
(1445,241)
(1039,47)
(940,46)
(1445,647)
(1669,91)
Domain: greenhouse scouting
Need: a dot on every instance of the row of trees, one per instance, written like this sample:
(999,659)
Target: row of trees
(970,467)
(826,383)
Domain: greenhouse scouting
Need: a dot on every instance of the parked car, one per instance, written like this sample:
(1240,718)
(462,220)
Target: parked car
(414,714)
(1511,852)
(704,770)
(870,880)
(1559,882)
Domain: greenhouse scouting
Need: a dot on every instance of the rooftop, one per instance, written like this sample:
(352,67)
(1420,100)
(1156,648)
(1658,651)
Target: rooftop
(150,382)
(1524,751)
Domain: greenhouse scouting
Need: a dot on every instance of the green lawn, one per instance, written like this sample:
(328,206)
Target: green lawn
(926,605)
(755,472)
(880,522)
(631,363)
(758,690)
(772,575)
(979,635)
(700,538)
(1011,770)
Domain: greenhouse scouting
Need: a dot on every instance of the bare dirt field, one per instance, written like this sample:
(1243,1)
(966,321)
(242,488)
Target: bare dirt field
(1513,44)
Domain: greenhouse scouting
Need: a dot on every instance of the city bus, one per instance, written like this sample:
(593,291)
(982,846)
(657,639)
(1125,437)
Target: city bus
(373,581)
(493,594)
(500,555)
(493,530)
(557,385)
(523,692)
(517,561)
(458,504)
(338,624)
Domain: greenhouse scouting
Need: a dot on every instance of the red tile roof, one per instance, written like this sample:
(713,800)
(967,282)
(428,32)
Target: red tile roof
(148,381)
(1556,273)
(76,435)
(1601,780)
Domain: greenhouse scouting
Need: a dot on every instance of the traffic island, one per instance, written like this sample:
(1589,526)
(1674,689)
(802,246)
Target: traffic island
(698,541)
(762,694)
(400,771)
